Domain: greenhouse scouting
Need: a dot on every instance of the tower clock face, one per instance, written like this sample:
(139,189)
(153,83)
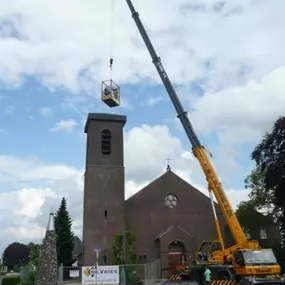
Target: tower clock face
(171,200)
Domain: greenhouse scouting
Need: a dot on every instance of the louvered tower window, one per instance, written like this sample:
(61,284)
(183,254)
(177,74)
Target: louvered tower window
(106,141)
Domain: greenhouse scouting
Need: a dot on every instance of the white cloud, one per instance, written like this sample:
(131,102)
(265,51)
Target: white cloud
(235,195)
(64,125)
(239,114)
(153,100)
(9,110)
(146,150)
(28,207)
(234,52)
(28,203)
(197,40)
(251,107)
(12,167)
(46,111)
(29,233)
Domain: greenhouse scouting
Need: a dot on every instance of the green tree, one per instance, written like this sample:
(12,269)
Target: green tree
(64,243)
(269,156)
(16,255)
(124,253)
(124,248)
(130,248)
(261,198)
(250,219)
(118,249)
(35,250)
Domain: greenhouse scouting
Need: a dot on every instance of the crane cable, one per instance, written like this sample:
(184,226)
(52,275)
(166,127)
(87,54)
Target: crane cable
(112,7)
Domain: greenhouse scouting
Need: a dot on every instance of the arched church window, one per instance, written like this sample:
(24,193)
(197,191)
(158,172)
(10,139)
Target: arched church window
(171,200)
(106,142)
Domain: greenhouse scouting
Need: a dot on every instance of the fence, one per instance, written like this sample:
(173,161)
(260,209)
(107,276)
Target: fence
(135,274)
(25,272)
(142,274)
(3,269)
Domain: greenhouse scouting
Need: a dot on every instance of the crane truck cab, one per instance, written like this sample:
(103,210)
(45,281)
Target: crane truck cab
(208,251)
(245,262)
(255,262)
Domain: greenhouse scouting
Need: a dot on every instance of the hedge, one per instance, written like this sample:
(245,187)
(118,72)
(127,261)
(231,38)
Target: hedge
(11,280)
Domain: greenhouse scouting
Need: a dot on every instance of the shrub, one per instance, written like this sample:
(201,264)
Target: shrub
(16,268)
(30,280)
(11,280)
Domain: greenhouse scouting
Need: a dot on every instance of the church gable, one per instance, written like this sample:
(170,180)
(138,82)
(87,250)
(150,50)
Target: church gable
(167,184)
(167,212)
(168,200)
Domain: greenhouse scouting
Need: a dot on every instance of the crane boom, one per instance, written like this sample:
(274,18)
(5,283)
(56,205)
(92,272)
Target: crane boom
(199,151)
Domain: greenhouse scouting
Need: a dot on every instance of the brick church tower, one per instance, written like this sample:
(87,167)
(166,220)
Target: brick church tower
(104,190)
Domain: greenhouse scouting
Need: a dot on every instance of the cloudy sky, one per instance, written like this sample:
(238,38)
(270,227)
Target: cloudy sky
(226,59)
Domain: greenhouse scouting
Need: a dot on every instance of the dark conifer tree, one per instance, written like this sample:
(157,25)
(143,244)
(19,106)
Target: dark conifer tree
(64,244)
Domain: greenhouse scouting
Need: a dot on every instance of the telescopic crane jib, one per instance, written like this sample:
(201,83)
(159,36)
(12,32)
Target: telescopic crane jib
(261,262)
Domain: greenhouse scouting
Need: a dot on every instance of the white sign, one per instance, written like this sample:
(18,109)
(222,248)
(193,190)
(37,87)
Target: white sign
(73,273)
(88,274)
(104,275)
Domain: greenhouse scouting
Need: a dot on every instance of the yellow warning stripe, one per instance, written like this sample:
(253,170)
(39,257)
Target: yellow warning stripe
(224,282)
(214,282)
(217,282)
(174,277)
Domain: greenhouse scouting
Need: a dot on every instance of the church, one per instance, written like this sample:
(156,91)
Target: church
(169,217)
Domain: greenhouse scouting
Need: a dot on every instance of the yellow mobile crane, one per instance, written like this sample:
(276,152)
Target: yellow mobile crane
(246,258)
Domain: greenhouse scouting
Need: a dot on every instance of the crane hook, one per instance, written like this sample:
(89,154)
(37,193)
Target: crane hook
(111,62)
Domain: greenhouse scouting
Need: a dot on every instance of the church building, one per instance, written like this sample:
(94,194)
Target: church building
(169,217)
